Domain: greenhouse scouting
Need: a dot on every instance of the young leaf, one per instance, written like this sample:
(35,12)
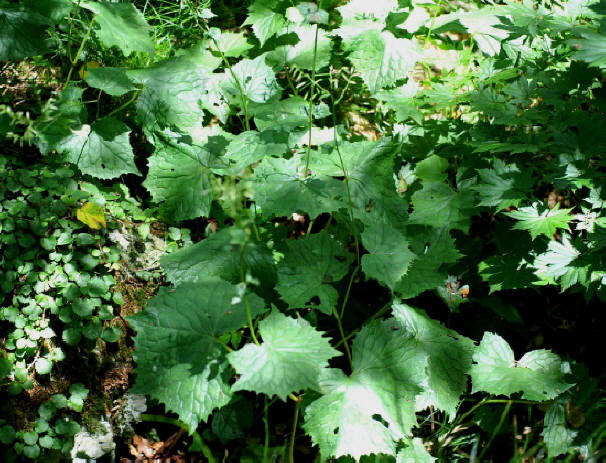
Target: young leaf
(179,360)
(264,21)
(537,375)
(122,25)
(369,411)
(92,215)
(308,268)
(291,358)
(540,220)
(256,78)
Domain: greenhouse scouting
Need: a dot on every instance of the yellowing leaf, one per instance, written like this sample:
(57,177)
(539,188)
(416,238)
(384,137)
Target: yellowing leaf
(92,215)
(83,72)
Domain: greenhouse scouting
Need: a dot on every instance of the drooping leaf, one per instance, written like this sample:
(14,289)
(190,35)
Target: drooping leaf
(540,220)
(179,361)
(218,256)
(537,375)
(121,25)
(113,81)
(309,267)
(102,150)
(449,358)
(557,435)
(92,215)
(291,358)
(370,410)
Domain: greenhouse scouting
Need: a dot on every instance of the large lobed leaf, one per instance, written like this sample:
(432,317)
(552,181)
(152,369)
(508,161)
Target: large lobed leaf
(291,358)
(179,359)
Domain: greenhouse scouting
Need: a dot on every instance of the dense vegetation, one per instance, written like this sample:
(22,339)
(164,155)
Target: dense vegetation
(304,231)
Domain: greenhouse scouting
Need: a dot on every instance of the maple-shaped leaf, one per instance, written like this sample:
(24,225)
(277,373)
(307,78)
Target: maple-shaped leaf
(264,20)
(389,255)
(449,358)
(309,267)
(222,255)
(538,375)
(281,188)
(562,262)
(121,25)
(507,271)
(291,357)
(370,410)
(179,359)
(92,215)
(503,186)
(541,220)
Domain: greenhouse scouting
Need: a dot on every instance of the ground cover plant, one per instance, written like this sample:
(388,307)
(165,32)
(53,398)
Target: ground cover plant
(373,231)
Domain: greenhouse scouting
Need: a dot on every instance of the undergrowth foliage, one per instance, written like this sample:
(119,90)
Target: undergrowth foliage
(488,118)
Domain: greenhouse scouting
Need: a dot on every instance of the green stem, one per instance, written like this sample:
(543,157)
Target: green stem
(124,105)
(311,102)
(233,75)
(246,304)
(496,429)
(71,69)
(346,298)
(266,423)
(433,19)
(291,446)
(149,418)
(343,338)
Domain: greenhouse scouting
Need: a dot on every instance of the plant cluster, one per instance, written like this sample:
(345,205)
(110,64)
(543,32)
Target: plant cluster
(484,174)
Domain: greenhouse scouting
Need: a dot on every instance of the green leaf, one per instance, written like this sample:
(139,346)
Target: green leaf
(77,396)
(561,262)
(179,178)
(433,248)
(291,358)
(378,9)
(256,79)
(113,81)
(232,44)
(7,434)
(507,271)
(265,22)
(556,434)
(449,358)
(301,55)
(591,48)
(102,150)
(251,146)
(308,268)
(381,58)
(504,186)
(438,205)
(401,101)
(175,89)
(414,452)
(93,215)
(220,256)
(179,359)
(43,366)
(22,31)
(281,188)
(121,25)
(389,256)
(541,220)
(538,374)
(388,370)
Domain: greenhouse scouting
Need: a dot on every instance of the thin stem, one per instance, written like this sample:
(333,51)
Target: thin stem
(343,339)
(266,423)
(496,430)
(124,105)
(246,304)
(433,19)
(311,102)
(346,298)
(291,446)
(233,75)
(77,57)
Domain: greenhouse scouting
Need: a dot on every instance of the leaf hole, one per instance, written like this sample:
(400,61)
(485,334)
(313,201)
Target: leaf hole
(335,431)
